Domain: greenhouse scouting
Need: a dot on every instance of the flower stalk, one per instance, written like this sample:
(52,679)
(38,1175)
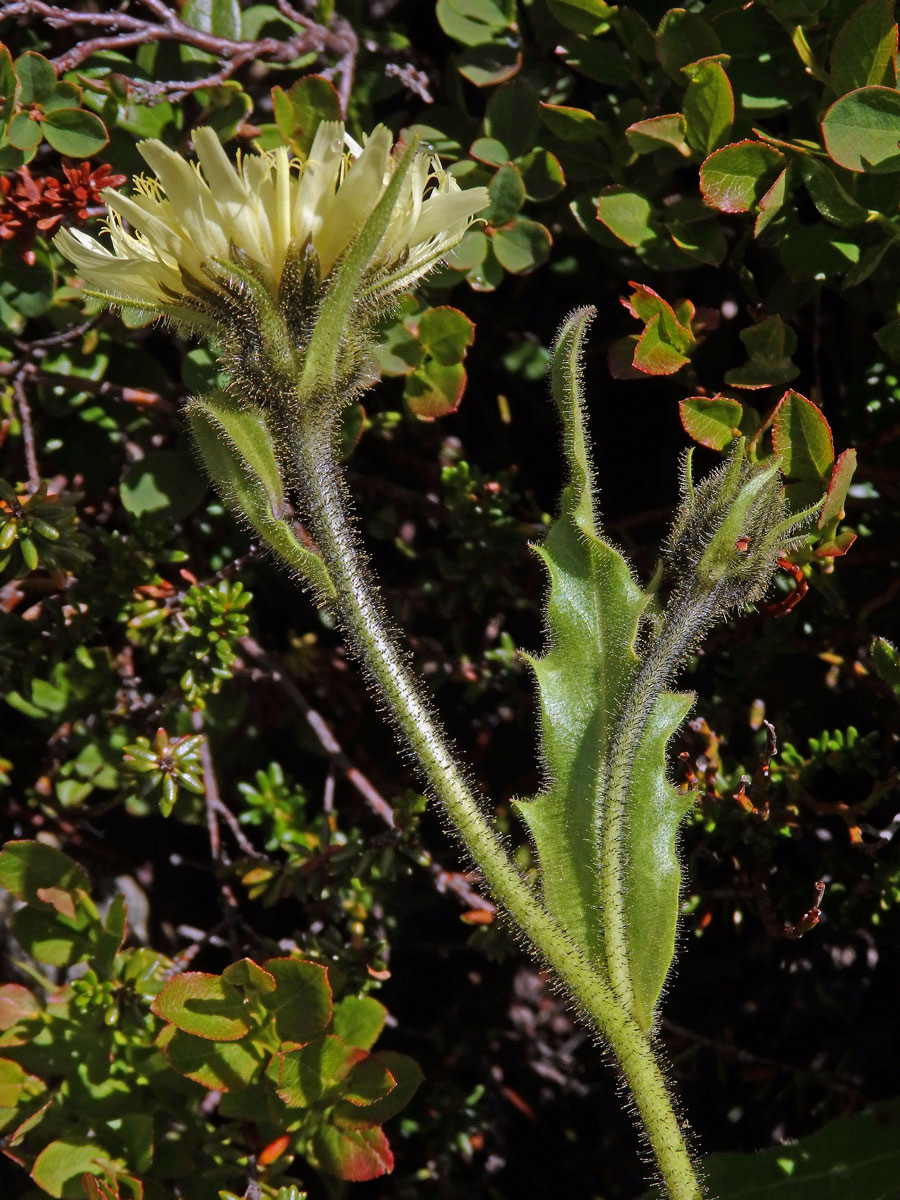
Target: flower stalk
(285,266)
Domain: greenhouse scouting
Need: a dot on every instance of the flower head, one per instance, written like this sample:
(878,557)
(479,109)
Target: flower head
(193,221)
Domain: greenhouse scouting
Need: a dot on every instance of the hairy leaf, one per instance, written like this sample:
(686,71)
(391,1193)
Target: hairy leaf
(585,678)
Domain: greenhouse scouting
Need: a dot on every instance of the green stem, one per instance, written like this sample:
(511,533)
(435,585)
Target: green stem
(688,617)
(368,630)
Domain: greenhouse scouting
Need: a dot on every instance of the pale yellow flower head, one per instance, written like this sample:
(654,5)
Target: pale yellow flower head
(185,226)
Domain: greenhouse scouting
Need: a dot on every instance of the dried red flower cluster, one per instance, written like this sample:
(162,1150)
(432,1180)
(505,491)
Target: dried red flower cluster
(32,206)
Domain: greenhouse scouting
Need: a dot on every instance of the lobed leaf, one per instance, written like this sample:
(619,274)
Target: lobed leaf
(594,611)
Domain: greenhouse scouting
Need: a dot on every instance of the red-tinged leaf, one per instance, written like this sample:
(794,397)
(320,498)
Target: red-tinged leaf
(838,546)
(841,476)
(301,1004)
(407,1076)
(802,439)
(656,133)
(64,902)
(273,1151)
(203,1005)
(434,390)
(17,1004)
(653,355)
(675,324)
(735,178)
(98,1189)
(250,978)
(772,203)
(712,421)
(352,1154)
(304,1074)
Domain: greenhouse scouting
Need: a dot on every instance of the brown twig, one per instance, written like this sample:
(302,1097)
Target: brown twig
(31,462)
(121,29)
(215,806)
(445,881)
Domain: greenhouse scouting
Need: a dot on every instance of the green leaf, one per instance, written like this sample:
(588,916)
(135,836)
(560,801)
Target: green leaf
(221,1066)
(627,214)
(24,132)
(856,1157)
(28,289)
(511,117)
(299,111)
(219,17)
(593,615)
(802,439)
(358,1020)
(829,196)
(771,203)
(238,452)
(16,1085)
(47,939)
(708,106)
(581,16)
(59,1166)
(862,130)
(886,660)
(488,65)
(27,868)
(507,193)
(367,1082)
(864,52)
(489,151)
(446,334)
(770,344)
(712,421)
(681,38)
(471,22)
(570,124)
(74,132)
(657,133)
(735,178)
(522,245)
(542,175)
(203,1005)
(9,87)
(37,78)
(352,1154)
(301,1002)
(164,483)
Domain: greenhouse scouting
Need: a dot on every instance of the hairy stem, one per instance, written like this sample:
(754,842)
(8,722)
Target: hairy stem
(689,615)
(368,631)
